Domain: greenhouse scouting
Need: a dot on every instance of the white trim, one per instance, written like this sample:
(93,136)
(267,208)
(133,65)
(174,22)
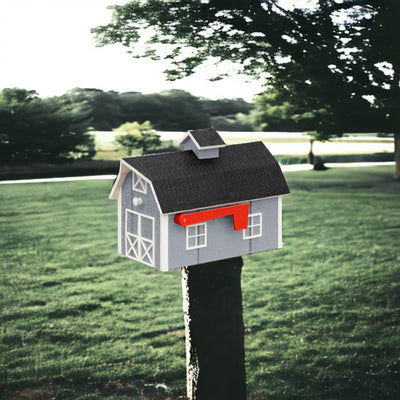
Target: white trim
(145,246)
(124,169)
(119,213)
(183,141)
(117,186)
(196,236)
(164,242)
(280,239)
(135,170)
(139,184)
(186,135)
(248,233)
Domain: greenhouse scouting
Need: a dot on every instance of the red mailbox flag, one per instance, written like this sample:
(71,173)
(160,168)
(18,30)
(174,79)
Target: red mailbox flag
(239,214)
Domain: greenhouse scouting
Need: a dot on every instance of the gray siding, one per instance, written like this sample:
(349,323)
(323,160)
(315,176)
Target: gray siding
(269,210)
(222,240)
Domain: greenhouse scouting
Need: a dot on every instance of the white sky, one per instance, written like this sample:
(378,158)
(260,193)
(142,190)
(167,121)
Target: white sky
(46,45)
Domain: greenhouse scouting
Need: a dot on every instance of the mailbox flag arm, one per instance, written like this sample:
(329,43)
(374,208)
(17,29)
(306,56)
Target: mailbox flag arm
(239,214)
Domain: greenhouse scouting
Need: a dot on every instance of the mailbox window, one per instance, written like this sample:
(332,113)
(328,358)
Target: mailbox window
(196,236)
(139,184)
(254,227)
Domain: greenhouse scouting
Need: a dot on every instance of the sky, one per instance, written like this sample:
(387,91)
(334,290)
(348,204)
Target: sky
(46,45)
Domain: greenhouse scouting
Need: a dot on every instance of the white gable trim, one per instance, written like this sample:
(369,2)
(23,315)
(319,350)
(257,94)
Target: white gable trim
(120,223)
(280,240)
(164,243)
(124,169)
(184,139)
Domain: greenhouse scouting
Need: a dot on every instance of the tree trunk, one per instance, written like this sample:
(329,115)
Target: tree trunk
(310,156)
(214,330)
(397,155)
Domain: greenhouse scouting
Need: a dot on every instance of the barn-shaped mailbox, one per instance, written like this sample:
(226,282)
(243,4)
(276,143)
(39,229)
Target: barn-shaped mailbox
(210,201)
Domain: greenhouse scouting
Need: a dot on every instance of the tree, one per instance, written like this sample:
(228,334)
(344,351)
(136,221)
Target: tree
(169,110)
(272,112)
(105,109)
(236,122)
(225,107)
(229,114)
(340,56)
(378,48)
(35,129)
(137,136)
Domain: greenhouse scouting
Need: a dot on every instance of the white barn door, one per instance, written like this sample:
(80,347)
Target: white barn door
(139,237)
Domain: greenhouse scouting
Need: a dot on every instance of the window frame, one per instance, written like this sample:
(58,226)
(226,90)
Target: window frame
(248,233)
(139,184)
(196,235)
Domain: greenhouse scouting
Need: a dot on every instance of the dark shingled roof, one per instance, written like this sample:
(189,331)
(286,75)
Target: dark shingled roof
(182,182)
(207,137)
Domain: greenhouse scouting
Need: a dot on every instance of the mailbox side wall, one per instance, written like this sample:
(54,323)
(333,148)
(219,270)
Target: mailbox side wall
(222,240)
(148,208)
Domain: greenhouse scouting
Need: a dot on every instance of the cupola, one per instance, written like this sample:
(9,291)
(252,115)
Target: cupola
(205,143)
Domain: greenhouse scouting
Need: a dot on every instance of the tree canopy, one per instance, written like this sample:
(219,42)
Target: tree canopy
(38,129)
(137,136)
(339,56)
(170,110)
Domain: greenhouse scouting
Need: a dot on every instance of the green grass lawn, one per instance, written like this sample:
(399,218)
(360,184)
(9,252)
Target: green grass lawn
(322,315)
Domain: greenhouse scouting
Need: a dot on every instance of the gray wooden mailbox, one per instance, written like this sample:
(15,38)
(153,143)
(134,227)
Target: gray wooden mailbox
(208,204)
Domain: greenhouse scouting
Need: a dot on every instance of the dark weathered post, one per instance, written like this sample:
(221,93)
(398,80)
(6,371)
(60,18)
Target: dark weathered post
(212,304)
(397,155)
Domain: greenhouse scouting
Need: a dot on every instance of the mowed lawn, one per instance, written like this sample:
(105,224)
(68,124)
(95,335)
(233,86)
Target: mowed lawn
(322,315)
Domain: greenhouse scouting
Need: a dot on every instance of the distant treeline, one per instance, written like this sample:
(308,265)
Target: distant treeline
(46,129)
(171,110)
(40,129)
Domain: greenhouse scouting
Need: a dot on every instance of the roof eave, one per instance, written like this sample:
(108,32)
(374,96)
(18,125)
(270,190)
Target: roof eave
(231,203)
(124,168)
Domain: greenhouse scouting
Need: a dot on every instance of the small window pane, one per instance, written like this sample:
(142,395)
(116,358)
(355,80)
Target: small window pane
(256,230)
(200,229)
(201,240)
(131,222)
(192,242)
(147,228)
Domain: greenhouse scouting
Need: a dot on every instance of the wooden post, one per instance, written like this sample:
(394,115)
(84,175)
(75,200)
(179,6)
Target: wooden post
(310,155)
(212,305)
(397,155)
